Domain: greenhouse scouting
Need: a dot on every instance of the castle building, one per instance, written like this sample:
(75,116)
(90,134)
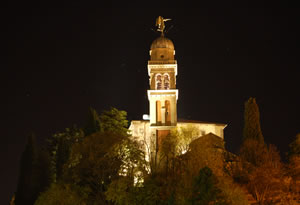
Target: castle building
(163,96)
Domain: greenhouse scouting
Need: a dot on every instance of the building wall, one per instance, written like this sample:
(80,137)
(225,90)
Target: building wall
(146,134)
(205,128)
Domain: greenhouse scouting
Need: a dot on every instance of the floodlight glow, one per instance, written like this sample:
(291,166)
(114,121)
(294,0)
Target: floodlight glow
(146,117)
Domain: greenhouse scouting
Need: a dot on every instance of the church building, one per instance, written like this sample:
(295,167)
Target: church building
(163,96)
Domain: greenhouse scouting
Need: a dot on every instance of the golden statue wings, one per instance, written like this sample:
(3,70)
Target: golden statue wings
(160,23)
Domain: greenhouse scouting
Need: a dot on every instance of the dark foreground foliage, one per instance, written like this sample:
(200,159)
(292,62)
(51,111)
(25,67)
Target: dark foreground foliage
(102,164)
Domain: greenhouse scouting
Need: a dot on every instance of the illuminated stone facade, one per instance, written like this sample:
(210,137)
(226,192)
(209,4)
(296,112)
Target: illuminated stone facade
(163,96)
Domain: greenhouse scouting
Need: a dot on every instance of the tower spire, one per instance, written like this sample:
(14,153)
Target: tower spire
(160,23)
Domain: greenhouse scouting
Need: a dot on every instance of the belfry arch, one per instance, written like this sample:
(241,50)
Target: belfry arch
(166,80)
(158,82)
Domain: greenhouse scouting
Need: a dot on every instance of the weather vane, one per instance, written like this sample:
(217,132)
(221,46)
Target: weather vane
(160,23)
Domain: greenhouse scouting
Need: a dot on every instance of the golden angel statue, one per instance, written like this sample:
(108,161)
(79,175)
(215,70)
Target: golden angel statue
(160,23)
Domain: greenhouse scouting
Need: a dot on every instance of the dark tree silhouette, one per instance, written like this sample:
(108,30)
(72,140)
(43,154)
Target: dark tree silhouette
(34,176)
(205,190)
(253,140)
(60,145)
(93,122)
(252,129)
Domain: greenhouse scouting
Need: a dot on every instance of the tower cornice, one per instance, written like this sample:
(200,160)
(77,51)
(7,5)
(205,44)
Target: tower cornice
(159,67)
(162,93)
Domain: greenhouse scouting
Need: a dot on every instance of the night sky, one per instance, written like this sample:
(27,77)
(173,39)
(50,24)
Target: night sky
(58,60)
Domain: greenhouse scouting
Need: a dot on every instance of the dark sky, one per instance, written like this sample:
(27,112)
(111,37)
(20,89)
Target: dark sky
(58,60)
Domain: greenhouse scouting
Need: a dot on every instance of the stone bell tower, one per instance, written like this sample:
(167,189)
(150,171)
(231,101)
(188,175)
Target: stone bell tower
(162,95)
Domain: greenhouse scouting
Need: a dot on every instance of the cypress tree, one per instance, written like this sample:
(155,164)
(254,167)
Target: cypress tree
(93,123)
(252,129)
(253,146)
(27,183)
(34,176)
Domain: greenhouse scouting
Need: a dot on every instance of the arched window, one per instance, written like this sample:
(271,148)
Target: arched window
(166,82)
(158,82)
(168,112)
(158,112)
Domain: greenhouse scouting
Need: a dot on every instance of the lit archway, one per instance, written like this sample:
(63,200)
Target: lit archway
(168,112)
(158,112)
